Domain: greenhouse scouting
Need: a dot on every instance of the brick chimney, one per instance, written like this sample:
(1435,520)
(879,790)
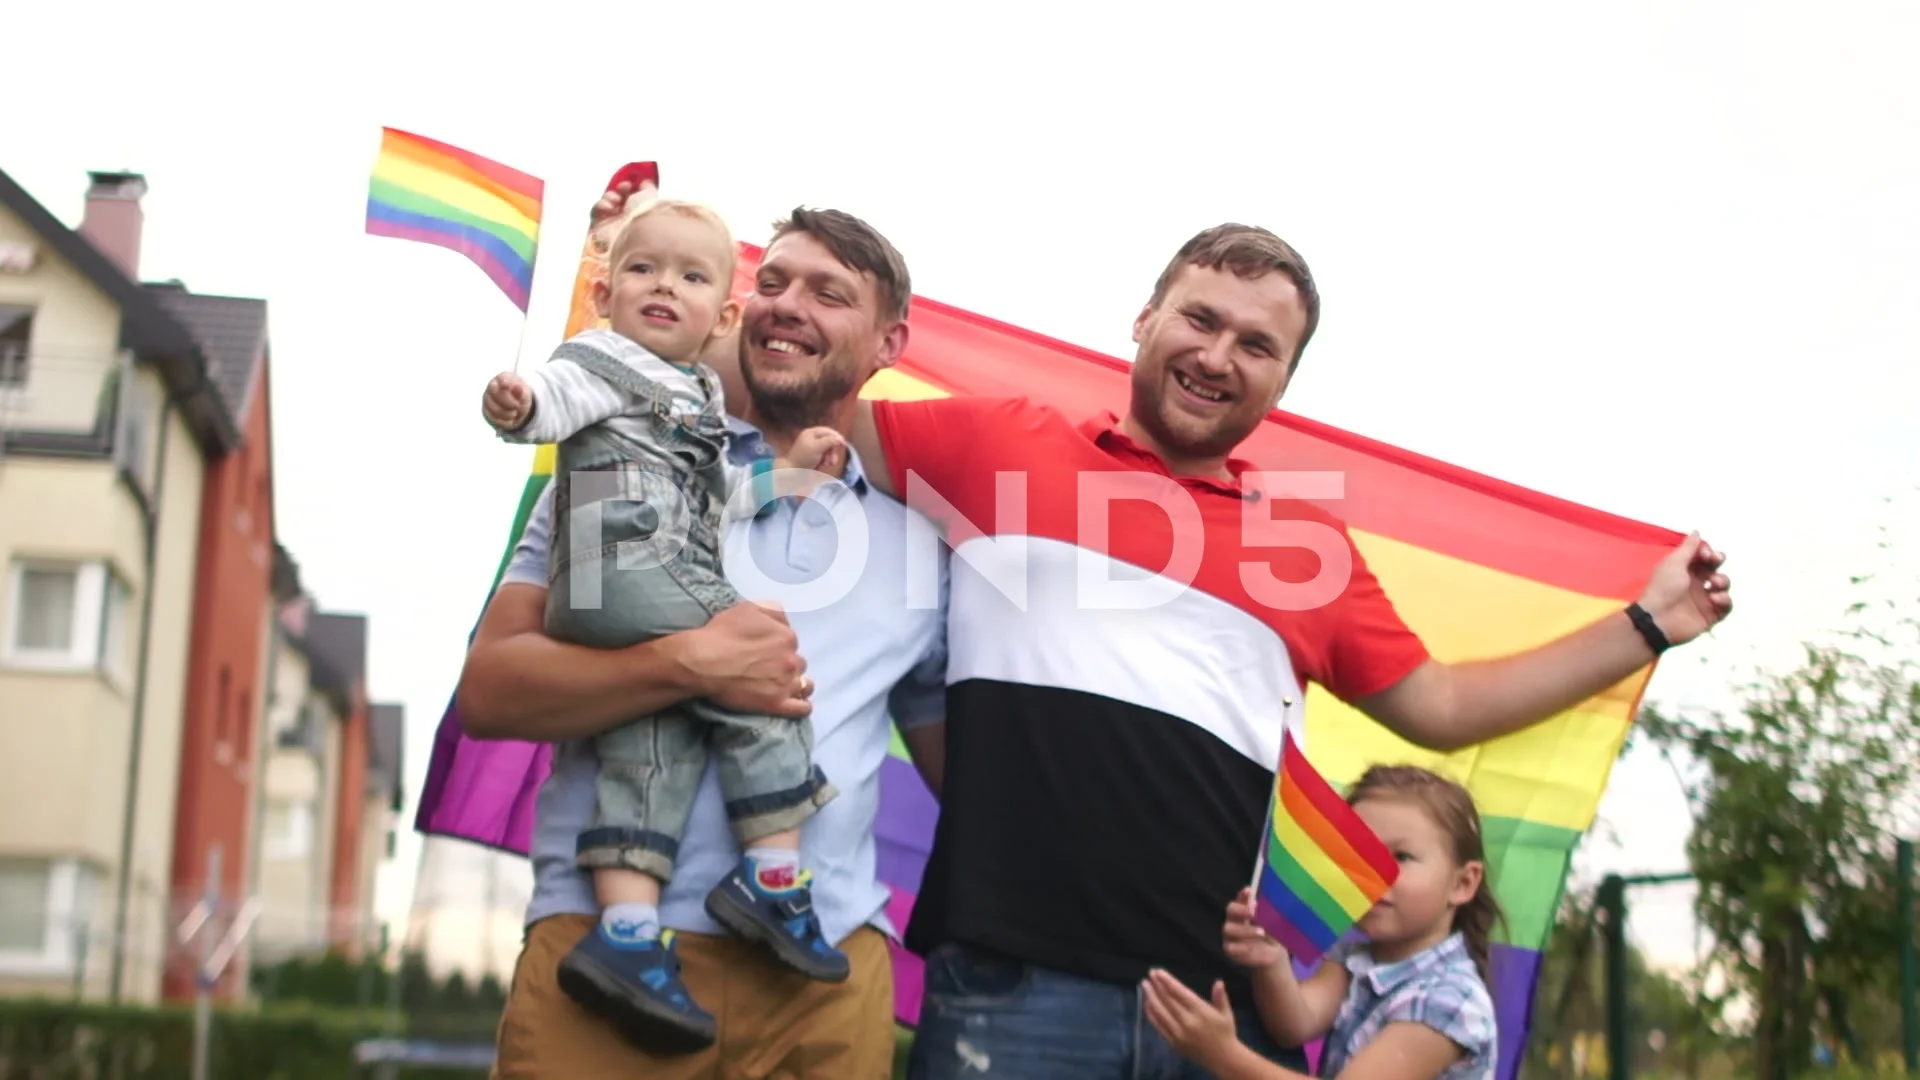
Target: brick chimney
(113,218)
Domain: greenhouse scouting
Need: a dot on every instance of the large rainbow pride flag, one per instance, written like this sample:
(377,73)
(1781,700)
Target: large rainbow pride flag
(1478,567)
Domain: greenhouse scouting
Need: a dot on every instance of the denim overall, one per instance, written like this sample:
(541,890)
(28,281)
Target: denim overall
(636,556)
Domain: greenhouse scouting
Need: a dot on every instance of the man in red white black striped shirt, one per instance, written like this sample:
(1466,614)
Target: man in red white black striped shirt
(1113,729)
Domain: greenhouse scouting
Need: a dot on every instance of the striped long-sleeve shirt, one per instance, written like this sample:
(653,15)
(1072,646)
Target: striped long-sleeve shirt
(567,399)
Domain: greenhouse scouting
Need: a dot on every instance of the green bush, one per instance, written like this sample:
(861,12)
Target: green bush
(64,1040)
(60,1040)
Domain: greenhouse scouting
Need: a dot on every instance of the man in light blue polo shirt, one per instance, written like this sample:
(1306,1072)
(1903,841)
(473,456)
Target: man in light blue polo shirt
(828,310)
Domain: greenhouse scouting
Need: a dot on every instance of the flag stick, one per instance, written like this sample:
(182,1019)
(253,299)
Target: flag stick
(1266,830)
(520,345)
(526,317)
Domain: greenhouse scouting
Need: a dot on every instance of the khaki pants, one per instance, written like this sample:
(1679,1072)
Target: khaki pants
(774,1024)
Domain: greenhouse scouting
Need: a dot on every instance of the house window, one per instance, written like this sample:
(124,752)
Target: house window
(288,830)
(23,900)
(45,906)
(16,332)
(306,731)
(68,617)
(47,606)
(295,734)
(138,408)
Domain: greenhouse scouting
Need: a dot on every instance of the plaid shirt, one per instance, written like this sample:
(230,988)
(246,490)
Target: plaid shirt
(1440,988)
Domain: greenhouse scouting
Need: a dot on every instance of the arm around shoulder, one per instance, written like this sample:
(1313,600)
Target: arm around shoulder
(937,439)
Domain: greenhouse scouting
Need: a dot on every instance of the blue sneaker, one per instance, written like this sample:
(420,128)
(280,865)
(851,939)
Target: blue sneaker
(636,987)
(779,916)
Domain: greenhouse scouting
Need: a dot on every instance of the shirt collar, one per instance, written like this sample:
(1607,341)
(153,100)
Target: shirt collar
(1384,977)
(746,444)
(1103,430)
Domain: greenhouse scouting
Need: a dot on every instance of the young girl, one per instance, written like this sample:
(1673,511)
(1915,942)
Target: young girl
(1410,1002)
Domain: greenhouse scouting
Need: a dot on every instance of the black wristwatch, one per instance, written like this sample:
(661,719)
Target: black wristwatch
(1649,630)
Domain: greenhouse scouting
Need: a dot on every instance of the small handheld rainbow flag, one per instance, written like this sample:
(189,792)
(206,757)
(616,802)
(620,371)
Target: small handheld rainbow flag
(432,193)
(1321,868)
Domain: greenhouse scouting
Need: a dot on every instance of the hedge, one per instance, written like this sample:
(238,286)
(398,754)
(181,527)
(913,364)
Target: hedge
(64,1040)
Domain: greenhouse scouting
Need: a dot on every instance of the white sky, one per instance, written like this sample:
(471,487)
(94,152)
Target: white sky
(1535,229)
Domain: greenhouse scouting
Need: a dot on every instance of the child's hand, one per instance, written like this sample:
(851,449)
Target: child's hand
(815,451)
(1246,944)
(615,200)
(1201,1031)
(508,402)
(821,449)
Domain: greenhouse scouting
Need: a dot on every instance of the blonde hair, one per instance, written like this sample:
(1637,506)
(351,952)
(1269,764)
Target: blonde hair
(1451,807)
(612,234)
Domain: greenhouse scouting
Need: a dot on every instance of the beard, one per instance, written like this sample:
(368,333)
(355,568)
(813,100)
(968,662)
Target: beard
(794,404)
(1184,434)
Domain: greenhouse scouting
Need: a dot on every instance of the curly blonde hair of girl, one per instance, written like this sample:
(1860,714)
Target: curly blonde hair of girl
(1450,807)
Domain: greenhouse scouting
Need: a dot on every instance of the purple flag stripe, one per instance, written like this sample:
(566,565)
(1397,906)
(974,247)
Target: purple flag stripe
(481,791)
(1515,971)
(903,831)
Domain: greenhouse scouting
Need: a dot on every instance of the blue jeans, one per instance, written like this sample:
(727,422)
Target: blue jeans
(987,1015)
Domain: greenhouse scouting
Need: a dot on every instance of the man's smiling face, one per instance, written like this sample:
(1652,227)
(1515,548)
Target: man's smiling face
(1215,354)
(812,333)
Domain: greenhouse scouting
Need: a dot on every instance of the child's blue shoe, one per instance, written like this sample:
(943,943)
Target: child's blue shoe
(779,915)
(635,986)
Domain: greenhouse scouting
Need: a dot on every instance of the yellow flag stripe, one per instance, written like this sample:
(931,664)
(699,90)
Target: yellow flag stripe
(1320,866)
(477,201)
